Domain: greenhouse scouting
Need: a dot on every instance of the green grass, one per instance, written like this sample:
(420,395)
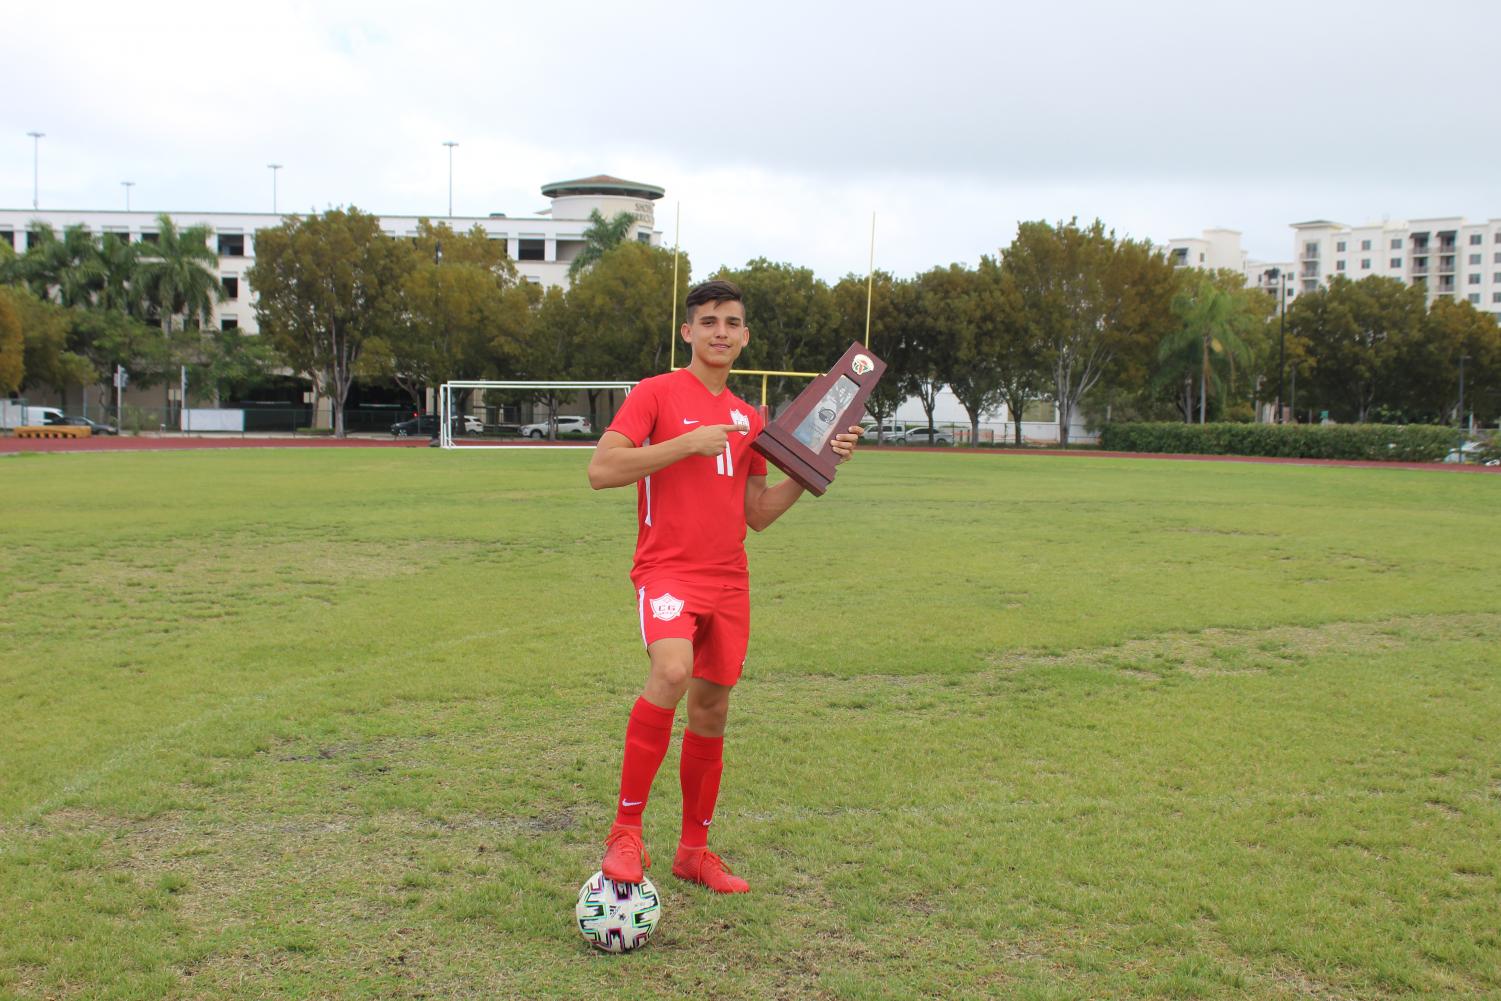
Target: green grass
(347,723)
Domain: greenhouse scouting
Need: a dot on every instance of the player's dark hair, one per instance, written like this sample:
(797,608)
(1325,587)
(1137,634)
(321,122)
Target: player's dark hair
(717,290)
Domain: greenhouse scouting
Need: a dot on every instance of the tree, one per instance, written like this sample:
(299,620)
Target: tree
(602,236)
(1021,356)
(46,357)
(888,337)
(463,307)
(1097,303)
(178,274)
(1357,333)
(956,347)
(550,351)
(1214,325)
(12,344)
(67,270)
(327,285)
(622,311)
(1430,364)
(794,326)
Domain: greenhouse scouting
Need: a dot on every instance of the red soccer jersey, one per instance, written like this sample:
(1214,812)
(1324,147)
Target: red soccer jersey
(691,515)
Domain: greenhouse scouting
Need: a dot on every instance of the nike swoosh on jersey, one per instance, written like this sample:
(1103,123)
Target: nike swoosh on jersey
(687,421)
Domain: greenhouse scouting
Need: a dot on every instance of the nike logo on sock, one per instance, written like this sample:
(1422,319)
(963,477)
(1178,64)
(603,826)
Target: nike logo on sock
(687,421)
(631,802)
(708,822)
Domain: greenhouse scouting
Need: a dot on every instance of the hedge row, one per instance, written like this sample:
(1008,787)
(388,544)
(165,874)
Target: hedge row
(1392,442)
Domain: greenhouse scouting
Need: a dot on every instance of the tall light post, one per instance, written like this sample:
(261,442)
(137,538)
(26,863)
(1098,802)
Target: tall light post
(273,167)
(450,144)
(127,185)
(1281,278)
(1461,420)
(36,138)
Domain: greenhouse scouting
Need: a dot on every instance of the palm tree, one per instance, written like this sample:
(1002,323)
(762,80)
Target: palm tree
(179,273)
(1212,321)
(67,270)
(602,236)
(119,268)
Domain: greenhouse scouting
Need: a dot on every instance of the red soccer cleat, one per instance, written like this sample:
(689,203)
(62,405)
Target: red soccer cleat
(625,855)
(701,866)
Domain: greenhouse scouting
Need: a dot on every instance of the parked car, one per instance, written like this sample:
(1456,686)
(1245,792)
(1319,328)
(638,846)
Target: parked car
(473,425)
(567,424)
(889,430)
(14,414)
(927,436)
(80,422)
(423,424)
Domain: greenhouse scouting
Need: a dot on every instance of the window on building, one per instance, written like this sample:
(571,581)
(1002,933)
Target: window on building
(1446,262)
(231,244)
(1365,244)
(531,250)
(1474,258)
(1365,264)
(1496,297)
(1496,277)
(148,237)
(1396,262)
(1475,298)
(1498,236)
(33,237)
(8,236)
(1340,246)
(505,247)
(1311,249)
(231,287)
(1397,243)
(643,237)
(1498,258)
(1476,239)
(1339,265)
(1474,278)
(228,323)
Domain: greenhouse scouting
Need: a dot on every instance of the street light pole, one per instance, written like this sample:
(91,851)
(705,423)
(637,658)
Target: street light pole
(127,185)
(450,144)
(36,138)
(1281,349)
(273,167)
(1461,415)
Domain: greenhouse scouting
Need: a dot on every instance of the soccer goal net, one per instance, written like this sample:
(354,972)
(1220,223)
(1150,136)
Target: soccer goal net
(450,392)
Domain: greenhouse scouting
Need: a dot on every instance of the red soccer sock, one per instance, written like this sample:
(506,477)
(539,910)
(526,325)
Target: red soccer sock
(702,765)
(646,738)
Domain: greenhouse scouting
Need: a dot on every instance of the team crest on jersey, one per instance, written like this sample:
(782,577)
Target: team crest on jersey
(740,420)
(666,607)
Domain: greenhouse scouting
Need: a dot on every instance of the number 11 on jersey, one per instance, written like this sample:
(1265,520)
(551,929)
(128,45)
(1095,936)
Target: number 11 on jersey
(724,465)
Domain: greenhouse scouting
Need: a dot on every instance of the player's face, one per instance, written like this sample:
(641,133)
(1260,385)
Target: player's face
(717,332)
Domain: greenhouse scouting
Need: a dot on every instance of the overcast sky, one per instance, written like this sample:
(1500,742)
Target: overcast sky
(778,127)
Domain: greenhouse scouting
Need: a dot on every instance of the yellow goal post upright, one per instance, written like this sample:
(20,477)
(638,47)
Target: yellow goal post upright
(446,393)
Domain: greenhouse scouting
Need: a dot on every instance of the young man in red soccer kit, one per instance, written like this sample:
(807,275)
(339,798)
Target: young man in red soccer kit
(684,439)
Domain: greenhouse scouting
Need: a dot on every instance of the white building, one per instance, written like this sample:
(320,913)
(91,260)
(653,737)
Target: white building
(1220,248)
(1445,256)
(541,246)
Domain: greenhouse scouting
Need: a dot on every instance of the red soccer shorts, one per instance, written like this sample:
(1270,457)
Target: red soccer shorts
(715,618)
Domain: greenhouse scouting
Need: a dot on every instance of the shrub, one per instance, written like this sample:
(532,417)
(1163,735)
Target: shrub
(1390,442)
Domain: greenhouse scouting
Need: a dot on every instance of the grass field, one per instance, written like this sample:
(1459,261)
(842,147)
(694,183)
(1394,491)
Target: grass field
(347,724)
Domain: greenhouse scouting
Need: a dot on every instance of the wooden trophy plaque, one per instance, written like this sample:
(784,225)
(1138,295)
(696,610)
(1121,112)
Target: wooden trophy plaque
(799,441)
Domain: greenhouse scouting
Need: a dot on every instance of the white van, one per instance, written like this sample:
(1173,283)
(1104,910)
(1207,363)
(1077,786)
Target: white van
(15,414)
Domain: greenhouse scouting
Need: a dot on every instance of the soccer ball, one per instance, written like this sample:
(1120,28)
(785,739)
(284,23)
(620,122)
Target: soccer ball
(617,917)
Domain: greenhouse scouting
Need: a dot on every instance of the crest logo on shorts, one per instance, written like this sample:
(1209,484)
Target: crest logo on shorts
(666,607)
(862,364)
(740,420)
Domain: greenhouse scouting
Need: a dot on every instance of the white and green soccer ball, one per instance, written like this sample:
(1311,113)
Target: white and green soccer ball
(617,917)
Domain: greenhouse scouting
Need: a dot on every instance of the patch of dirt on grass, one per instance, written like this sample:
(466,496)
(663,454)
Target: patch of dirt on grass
(1221,652)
